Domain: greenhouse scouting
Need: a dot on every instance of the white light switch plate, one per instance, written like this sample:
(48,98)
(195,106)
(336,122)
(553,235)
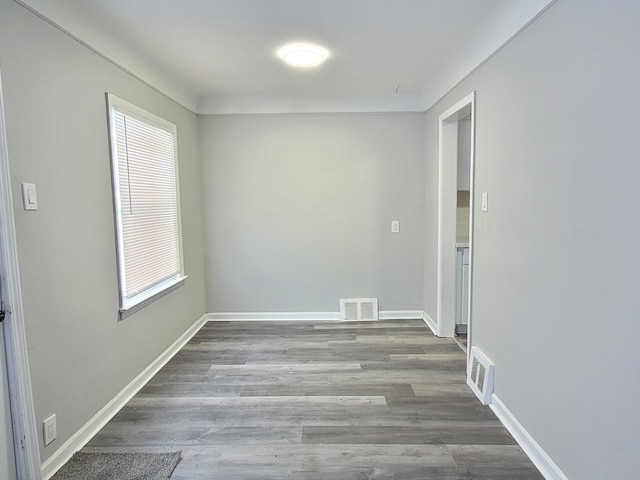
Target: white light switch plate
(485,202)
(29,196)
(395,226)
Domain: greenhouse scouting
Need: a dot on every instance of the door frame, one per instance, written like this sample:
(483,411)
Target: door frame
(447,188)
(23,420)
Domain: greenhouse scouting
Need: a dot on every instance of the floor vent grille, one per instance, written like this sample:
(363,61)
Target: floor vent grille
(358,309)
(481,376)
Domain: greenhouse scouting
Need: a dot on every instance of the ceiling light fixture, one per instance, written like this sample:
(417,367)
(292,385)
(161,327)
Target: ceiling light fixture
(303,54)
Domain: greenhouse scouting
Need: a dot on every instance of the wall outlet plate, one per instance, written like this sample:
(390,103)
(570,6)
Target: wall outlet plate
(50,429)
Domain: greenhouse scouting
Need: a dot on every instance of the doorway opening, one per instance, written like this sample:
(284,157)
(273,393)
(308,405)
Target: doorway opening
(455,219)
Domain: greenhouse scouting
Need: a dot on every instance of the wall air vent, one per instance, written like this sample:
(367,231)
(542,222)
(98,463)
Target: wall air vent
(358,309)
(480,376)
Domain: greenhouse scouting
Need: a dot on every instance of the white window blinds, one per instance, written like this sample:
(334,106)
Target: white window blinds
(146,202)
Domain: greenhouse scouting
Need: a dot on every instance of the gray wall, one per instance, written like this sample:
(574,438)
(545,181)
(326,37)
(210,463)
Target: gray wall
(556,302)
(80,355)
(299,209)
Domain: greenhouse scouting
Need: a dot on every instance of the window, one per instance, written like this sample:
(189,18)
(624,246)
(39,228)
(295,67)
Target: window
(147,214)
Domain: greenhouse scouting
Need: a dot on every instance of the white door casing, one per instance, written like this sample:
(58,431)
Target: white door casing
(7,455)
(447,189)
(25,440)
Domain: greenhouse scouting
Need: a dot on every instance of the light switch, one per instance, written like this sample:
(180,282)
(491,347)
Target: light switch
(395,226)
(485,202)
(29,196)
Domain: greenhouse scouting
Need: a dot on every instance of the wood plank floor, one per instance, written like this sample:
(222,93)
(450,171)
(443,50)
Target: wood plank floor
(326,400)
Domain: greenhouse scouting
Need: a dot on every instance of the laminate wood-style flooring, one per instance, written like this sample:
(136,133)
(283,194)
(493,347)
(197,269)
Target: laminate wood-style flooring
(315,401)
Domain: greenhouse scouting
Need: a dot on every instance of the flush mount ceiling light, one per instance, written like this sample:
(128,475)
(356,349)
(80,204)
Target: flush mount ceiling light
(303,54)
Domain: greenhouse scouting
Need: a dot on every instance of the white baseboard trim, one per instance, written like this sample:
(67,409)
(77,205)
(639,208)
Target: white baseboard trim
(544,463)
(100,419)
(304,316)
(272,316)
(430,323)
(400,314)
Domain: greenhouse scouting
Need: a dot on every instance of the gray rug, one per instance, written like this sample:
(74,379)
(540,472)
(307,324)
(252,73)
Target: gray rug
(119,466)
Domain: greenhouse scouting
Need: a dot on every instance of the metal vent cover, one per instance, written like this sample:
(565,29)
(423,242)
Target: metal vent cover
(480,377)
(358,309)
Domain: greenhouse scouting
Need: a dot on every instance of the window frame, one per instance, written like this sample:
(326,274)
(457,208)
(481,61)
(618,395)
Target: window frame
(133,303)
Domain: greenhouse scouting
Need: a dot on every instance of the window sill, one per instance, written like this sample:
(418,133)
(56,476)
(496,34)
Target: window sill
(132,305)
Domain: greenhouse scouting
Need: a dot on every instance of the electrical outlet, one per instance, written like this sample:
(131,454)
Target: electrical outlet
(50,429)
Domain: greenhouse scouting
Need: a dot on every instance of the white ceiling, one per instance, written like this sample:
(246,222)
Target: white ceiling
(218,56)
